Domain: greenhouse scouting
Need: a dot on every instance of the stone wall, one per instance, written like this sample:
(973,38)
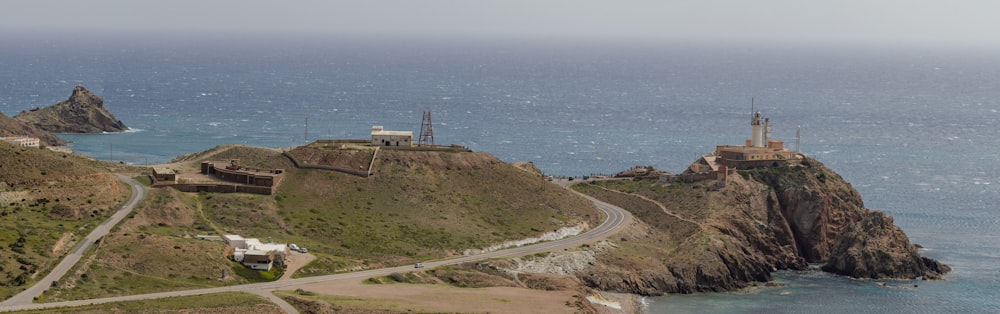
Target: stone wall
(222,188)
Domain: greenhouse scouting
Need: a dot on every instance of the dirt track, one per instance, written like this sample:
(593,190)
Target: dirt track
(295,261)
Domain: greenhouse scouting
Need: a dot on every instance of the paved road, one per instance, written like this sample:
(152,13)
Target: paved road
(616,219)
(27,296)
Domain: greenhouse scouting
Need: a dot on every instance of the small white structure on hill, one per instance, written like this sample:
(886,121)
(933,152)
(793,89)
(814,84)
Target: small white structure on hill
(381,137)
(254,254)
(23,141)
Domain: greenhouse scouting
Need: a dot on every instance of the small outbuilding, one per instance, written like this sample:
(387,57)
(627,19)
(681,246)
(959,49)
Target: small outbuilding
(164,175)
(258,259)
(381,137)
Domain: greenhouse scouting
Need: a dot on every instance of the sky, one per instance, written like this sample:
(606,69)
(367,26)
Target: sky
(925,22)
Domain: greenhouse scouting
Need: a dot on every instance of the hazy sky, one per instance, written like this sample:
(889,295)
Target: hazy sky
(957,22)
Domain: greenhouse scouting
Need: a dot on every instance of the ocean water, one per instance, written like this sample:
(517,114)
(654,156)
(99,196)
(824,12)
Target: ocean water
(913,128)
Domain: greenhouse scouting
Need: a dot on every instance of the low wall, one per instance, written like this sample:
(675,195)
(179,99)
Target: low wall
(343,141)
(690,177)
(221,188)
(750,164)
(453,148)
(298,164)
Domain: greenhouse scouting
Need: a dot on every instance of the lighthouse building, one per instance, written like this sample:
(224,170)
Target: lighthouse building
(758,151)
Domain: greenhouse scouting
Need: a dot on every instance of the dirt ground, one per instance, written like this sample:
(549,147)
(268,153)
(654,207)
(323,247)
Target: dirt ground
(444,298)
(295,261)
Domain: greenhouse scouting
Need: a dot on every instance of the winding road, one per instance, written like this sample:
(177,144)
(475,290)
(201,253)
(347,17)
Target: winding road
(616,219)
(27,296)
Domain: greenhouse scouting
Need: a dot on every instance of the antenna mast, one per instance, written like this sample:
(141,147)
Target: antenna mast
(426,130)
(798,139)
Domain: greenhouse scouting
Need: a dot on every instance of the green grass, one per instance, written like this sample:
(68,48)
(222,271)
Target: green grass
(145,263)
(410,211)
(252,275)
(227,302)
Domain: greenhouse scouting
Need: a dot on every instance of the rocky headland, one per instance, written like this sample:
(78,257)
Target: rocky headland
(83,112)
(697,236)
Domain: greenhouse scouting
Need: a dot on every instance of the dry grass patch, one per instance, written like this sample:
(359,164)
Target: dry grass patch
(216,303)
(48,201)
(153,250)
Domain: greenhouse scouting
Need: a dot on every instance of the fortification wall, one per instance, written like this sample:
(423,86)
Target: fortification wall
(221,188)
(299,164)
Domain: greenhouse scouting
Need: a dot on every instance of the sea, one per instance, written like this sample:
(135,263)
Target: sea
(913,128)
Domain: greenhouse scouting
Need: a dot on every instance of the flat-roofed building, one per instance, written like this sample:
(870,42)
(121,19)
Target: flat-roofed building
(164,175)
(23,141)
(255,254)
(381,137)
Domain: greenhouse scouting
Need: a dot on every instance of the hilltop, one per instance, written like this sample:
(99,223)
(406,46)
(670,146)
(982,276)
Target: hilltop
(83,112)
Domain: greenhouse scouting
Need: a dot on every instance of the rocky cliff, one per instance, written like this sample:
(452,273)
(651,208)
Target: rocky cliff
(691,237)
(83,112)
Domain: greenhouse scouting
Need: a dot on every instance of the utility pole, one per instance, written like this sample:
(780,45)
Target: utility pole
(798,139)
(305,138)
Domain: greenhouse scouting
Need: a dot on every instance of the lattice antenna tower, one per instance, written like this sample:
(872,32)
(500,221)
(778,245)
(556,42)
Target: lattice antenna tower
(426,130)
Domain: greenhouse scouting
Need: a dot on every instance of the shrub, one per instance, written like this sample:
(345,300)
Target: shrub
(397,277)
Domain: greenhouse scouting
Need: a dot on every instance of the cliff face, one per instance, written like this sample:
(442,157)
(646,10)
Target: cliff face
(876,248)
(83,112)
(698,237)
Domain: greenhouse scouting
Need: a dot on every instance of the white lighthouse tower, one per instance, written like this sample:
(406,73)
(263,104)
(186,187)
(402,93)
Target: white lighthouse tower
(760,130)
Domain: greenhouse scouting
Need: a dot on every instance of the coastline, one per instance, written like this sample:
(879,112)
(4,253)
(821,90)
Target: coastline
(627,302)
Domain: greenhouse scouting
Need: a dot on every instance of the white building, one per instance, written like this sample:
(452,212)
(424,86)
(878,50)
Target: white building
(22,141)
(381,137)
(254,254)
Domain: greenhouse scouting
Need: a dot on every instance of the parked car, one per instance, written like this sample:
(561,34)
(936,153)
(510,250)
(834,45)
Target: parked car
(418,265)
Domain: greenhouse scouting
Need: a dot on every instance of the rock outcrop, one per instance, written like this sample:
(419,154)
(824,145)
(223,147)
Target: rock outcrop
(83,112)
(692,237)
(876,248)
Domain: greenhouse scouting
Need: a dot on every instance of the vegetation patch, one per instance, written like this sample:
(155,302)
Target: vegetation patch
(419,206)
(153,250)
(226,302)
(253,275)
(468,276)
(48,202)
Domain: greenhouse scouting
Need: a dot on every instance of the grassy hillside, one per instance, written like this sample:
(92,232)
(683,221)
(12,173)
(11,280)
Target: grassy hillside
(422,205)
(153,250)
(417,206)
(48,202)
